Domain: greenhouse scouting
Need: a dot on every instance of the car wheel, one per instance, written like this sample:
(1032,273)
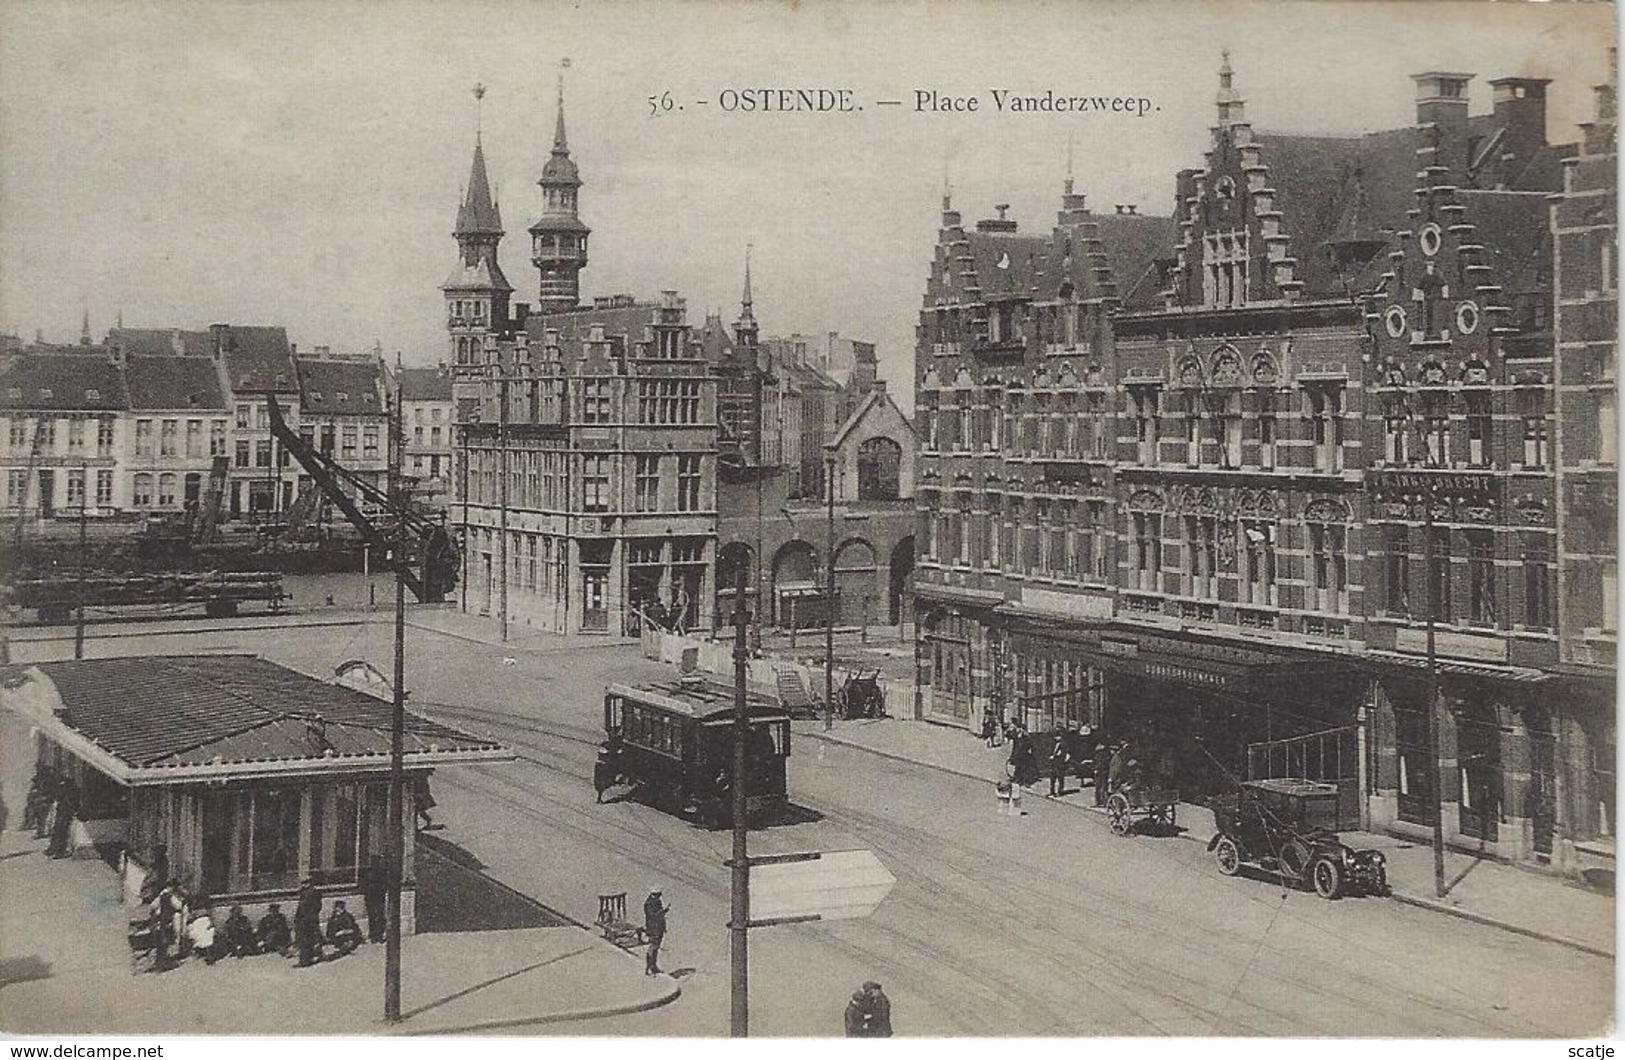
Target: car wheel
(1117,809)
(1328,878)
(1228,856)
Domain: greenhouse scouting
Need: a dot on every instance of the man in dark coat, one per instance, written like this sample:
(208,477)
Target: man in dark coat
(654,926)
(67,804)
(238,934)
(274,935)
(879,1011)
(374,885)
(858,1015)
(343,933)
(307,924)
(1059,764)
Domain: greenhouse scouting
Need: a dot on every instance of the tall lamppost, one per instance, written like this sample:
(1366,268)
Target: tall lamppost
(829,590)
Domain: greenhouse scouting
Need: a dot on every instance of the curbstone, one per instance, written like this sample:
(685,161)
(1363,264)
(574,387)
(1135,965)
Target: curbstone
(1404,899)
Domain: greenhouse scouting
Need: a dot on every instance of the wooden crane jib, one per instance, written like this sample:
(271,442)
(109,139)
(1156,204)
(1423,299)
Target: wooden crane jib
(408,532)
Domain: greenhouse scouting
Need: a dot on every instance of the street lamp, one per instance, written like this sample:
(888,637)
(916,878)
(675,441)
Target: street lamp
(829,591)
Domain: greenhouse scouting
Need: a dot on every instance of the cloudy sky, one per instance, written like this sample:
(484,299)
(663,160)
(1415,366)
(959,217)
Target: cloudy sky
(300,163)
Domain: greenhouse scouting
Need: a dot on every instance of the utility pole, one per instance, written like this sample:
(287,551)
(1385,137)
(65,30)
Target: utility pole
(829,592)
(79,591)
(502,496)
(739,911)
(396,855)
(468,534)
(1436,809)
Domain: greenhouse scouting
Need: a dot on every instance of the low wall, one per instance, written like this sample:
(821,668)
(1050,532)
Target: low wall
(716,657)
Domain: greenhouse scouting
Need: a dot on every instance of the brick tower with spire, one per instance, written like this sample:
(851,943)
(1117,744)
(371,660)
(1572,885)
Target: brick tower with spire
(476,292)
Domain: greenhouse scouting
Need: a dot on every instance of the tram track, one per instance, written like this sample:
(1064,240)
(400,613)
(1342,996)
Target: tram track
(948,881)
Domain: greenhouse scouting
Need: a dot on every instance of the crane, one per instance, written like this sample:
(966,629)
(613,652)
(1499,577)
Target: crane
(434,574)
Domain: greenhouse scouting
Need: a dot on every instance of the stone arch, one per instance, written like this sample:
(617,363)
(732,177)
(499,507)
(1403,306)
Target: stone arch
(900,573)
(1190,372)
(1226,367)
(880,460)
(795,581)
(1327,510)
(1266,370)
(856,582)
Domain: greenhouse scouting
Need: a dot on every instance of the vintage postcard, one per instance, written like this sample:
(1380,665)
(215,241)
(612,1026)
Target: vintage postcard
(814,520)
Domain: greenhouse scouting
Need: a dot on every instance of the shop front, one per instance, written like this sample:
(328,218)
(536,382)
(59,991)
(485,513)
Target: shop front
(1200,715)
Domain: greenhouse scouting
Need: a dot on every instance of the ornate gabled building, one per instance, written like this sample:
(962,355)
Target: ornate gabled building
(1219,512)
(1585,450)
(586,434)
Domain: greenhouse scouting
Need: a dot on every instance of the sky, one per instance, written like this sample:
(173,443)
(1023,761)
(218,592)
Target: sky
(296,163)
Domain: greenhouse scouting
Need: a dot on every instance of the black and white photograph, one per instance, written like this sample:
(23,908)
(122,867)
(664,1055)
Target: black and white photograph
(632,521)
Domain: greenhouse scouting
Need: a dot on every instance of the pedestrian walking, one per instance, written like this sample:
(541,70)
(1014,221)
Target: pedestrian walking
(858,1015)
(1059,765)
(36,806)
(654,927)
(374,883)
(879,1011)
(307,924)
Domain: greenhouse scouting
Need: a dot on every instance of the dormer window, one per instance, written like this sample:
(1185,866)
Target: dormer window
(14,393)
(93,395)
(315,396)
(341,396)
(45,393)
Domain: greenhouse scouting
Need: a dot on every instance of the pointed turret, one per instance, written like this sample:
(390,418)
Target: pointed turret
(478,214)
(745,329)
(476,292)
(84,330)
(559,239)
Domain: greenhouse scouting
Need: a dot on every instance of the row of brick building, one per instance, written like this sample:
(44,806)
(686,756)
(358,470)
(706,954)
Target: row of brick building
(1202,479)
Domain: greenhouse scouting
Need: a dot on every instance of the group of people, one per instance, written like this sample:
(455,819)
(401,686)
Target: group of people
(868,1014)
(1072,750)
(184,926)
(49,808)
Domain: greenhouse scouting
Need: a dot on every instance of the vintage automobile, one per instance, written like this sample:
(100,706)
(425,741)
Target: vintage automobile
(1285,827)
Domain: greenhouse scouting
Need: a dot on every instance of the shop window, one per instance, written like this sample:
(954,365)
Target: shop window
(1397,569)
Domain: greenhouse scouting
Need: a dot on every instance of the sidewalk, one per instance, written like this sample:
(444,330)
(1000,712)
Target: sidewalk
(65,967)
(1498,894)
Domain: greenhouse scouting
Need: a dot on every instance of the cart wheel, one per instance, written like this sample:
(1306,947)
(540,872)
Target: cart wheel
(1328,878)
(1227,855)
(1162,817)
(1117,809)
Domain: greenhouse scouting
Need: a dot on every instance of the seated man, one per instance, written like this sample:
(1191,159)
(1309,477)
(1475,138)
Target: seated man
(343,933)
(275,936)
(203,937)
(239,934)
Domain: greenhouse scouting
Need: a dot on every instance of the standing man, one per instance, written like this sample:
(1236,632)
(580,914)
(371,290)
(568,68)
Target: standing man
(654,926)
(879,1011)
(1059,759)
(307,924)
(858,1015)
(373,887)
(67,804)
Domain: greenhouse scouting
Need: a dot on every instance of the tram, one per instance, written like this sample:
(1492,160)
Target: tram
(673,743)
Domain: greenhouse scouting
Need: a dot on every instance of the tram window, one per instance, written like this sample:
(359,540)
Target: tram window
(614,714)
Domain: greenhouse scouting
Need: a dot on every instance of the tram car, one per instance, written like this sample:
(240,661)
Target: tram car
(673,744)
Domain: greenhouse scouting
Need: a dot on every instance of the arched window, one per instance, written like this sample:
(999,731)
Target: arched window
(878,462)
(141,495)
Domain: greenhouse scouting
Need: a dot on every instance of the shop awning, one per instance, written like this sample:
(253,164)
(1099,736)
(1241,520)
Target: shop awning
(1488,671)
(953,594)
(800,589)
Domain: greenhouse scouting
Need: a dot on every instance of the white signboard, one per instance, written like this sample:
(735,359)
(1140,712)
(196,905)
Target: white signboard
(836,885)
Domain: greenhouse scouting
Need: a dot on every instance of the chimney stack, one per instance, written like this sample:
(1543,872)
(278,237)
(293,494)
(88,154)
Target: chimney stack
(1441,114)
(1520,106)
